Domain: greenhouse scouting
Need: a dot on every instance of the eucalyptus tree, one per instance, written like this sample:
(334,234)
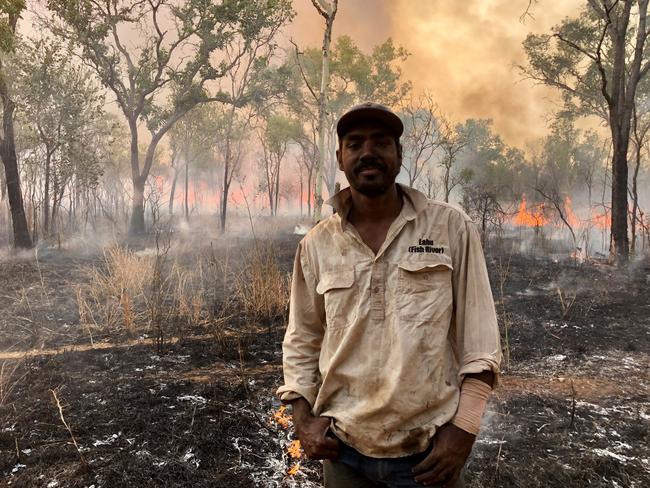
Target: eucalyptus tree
(454,138)
(327,9)
(597,60)
(492,169)
(59,103)
(276,135)
(161,58)
(192,140)
(10,11)
(421,137)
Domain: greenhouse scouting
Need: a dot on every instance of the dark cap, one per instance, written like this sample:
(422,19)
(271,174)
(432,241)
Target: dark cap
(370,112)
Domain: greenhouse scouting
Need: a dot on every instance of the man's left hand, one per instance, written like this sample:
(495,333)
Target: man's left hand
(451,448)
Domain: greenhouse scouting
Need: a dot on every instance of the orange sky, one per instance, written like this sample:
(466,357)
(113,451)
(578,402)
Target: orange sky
(464,51)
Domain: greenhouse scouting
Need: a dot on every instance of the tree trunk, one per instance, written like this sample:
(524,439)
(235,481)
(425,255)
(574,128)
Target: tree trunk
(187,190)
(635,198)
(136,225)
(329,13)
(620,243)
(46,194)
(224,206)
(22,239)
(172,191)
(137,208)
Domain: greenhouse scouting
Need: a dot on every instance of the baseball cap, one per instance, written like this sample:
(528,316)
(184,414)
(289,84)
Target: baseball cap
(373,112)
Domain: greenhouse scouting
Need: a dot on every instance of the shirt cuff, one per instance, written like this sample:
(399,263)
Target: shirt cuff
(289,393)
(479,362)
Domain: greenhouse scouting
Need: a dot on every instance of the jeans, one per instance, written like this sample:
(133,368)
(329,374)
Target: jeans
(354,470)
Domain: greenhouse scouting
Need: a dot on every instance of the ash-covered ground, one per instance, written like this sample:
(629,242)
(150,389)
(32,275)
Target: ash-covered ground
(190,402)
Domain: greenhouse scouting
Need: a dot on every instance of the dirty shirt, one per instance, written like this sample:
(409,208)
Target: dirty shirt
(381,342)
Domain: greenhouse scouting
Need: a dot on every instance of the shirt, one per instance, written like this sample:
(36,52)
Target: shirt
(381,342)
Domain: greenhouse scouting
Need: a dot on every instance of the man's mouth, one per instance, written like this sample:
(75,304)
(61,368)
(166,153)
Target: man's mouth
(370,169)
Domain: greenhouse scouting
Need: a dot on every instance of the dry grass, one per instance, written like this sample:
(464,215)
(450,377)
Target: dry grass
(163,294)
(261,287)
(10,378)
(147,292)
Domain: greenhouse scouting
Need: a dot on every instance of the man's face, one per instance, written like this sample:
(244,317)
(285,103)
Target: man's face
(370,159)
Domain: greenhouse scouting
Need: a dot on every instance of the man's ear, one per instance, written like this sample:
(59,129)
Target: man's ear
(338,158)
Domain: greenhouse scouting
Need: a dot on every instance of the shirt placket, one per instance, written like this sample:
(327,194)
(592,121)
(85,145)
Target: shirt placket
(378,291)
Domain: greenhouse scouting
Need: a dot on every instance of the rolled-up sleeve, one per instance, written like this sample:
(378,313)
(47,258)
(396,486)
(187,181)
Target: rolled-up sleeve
(304,335)
(476,332)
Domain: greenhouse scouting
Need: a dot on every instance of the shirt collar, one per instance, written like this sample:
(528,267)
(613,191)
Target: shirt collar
(414,203)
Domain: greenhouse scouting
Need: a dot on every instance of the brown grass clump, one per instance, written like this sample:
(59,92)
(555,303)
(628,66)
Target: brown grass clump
(147,292)
(115,295)
(262,288)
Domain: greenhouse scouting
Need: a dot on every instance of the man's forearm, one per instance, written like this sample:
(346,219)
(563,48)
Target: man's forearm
(474,394)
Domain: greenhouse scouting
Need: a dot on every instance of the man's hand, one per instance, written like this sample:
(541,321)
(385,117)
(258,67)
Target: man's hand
(451,448)
(312,432)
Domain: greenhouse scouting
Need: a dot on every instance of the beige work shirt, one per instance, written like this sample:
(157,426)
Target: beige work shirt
(380,343)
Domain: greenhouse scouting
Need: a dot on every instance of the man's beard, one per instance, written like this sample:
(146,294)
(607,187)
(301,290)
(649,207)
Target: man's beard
(376,186)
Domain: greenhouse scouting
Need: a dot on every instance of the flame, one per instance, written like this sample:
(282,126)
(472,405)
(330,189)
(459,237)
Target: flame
(533,218)
(294,450)
(281,418)
(602,221)
(294,469)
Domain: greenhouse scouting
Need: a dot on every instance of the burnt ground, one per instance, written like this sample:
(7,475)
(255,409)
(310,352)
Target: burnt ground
(197,409)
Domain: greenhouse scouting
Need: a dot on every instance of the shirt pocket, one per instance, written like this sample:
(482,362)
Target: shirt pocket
(340,295)
(424,291)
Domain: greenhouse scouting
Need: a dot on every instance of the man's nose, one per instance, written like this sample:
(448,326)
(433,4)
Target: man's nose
(368,149)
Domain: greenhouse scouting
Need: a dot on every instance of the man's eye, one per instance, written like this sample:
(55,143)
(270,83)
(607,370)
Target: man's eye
(353,145)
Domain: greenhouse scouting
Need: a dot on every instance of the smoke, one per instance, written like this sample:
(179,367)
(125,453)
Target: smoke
(466,53)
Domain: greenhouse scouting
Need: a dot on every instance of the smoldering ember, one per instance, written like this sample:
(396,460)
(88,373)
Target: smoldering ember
(163,159)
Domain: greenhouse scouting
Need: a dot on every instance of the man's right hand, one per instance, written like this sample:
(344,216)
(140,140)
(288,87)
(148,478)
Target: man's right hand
(312,432)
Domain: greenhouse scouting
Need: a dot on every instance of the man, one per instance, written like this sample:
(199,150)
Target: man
(392,345)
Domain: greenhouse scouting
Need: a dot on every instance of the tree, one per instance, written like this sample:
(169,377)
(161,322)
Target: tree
(640,132)
(598,59)
(275,138)
(59,103)
(9,14)
(493,168)
(453,139)
(328,10)
(559,170)
(421,137)
(169,72)
(191,139)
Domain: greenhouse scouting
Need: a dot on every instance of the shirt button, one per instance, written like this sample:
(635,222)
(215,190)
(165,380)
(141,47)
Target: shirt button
(376,290)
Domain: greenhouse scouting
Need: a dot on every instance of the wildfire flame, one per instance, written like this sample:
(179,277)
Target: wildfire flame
(530,218)
(294,450)
(282,418)
(536,216)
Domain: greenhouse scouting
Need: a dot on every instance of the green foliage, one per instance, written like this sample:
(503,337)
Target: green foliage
(62,108)
(10,11)
(181,58)
(194,135)
(280,131)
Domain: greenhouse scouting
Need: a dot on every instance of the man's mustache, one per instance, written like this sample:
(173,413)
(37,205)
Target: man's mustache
(376,164)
